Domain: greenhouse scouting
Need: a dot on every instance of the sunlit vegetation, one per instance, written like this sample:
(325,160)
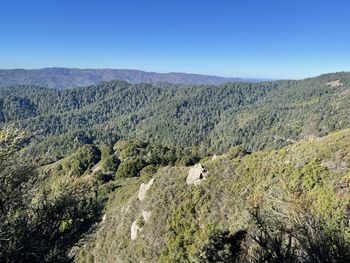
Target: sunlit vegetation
(73,164)
(255,115)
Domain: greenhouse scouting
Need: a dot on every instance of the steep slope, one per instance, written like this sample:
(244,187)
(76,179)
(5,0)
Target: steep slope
(47,207)
(63,78)
(139,202)
(175,221)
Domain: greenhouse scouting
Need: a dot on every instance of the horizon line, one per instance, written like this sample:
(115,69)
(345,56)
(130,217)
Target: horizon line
(171,72)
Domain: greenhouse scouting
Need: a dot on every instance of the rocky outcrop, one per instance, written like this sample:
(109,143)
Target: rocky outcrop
(196,174)
(146,216)
(144,188)
(135,228)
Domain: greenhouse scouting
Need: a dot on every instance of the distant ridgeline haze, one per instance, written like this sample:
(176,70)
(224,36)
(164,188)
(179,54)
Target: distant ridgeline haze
(63,78)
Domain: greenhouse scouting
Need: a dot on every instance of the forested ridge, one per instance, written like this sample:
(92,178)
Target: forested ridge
(121,172)
(256,115)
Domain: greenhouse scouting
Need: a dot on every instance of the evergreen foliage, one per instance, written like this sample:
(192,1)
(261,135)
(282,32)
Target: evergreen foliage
(72,163)
(255,115)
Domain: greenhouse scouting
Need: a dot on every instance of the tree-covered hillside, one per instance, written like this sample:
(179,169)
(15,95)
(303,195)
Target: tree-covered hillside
(137,202)
(46,208)
(256,115)
(122,172)
(287,205)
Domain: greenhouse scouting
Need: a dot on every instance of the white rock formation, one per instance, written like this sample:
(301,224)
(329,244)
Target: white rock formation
(135,228)
(144,188)
(214,157)
(146,215)
(196,174)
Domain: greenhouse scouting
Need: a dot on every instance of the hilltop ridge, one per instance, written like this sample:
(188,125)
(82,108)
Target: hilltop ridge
(63,78)
(262,115)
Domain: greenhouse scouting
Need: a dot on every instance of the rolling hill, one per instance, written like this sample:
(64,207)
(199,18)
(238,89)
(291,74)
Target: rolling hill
(63,78)
(256,115)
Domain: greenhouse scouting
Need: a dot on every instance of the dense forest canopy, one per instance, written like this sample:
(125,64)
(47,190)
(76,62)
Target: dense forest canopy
(256,115)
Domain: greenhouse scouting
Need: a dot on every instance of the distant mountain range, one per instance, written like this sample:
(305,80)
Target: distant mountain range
(63,78)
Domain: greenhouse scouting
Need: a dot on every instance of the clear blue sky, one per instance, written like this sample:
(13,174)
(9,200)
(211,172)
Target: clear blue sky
(243,38)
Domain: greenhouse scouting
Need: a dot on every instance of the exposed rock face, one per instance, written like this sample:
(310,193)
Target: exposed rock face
(104,217)
(144,188)
(214,157)
(146,215)
(135,228)
(196,174)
